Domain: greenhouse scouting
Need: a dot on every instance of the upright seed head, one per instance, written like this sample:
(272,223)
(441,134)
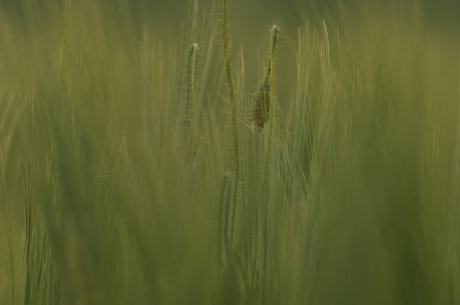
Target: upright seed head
(188,128)
(271,61)
(191,81)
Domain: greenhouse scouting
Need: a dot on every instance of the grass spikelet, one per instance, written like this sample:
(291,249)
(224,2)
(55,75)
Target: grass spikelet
(263,97)
(191,83)
(189,130)
(261,106)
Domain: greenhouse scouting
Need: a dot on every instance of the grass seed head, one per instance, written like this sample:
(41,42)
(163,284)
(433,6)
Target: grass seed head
(261,99)
(187,131)
(261,106)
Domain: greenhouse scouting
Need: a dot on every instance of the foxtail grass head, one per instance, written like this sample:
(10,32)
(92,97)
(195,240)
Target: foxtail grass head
(191,82)
(188,133)
(262,101)
(274,41)
(261,106)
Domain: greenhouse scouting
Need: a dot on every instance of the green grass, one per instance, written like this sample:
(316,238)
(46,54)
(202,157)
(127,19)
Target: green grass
(130,172)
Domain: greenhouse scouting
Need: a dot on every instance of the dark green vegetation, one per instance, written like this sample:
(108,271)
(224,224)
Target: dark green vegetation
(131,172)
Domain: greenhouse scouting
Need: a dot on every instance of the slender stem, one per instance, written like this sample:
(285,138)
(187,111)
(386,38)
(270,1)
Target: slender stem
(262,213)
(234,112)
(270,77)
(195,115)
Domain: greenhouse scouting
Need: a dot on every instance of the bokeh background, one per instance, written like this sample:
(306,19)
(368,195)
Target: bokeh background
(250,21)
(103,199)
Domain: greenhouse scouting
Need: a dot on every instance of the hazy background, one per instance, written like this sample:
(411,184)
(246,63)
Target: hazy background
(250,22)
(256,12)
(358,181)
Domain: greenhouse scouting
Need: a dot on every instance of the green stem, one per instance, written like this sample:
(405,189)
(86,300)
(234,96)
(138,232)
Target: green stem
(271,78)
(234,112)
(195,115)
(262,215)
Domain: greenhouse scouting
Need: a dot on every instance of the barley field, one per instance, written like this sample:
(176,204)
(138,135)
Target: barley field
(307,155)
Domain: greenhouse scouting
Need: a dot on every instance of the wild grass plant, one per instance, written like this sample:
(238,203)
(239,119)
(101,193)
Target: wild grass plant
(129,175)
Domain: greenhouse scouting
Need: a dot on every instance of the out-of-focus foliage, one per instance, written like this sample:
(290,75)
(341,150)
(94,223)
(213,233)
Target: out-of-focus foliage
(116,153)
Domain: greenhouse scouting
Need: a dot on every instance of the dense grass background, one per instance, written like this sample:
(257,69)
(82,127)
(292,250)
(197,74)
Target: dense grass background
(108,197)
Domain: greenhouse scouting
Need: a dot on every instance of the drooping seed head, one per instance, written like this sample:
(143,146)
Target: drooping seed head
(261,105)
(261,100)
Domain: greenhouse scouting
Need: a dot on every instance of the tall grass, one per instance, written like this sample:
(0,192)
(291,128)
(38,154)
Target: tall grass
(349,197)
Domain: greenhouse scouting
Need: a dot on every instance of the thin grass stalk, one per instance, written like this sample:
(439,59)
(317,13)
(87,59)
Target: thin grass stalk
(29,235)
(270,77)
(12,267)
(195,115)
(228,71)
(225,198)
(262,214)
